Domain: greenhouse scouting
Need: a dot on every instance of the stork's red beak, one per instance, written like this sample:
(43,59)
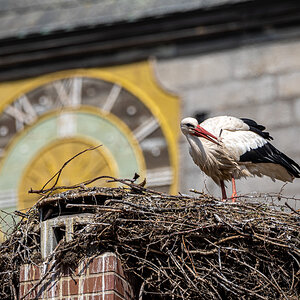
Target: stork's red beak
(201,132)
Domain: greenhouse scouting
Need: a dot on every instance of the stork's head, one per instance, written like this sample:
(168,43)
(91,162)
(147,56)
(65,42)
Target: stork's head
(190,126)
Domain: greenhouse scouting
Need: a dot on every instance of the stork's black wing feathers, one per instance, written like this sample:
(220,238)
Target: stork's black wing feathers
(269,154)
(259,129)
(253,124)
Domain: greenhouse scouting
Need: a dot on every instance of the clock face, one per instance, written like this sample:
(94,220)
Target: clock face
(46,126)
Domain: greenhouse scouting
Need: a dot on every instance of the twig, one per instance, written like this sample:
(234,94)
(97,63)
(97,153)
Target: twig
(58,173)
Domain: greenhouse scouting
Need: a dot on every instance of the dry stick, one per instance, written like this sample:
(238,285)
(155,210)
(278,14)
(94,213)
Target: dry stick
(215,250)
(293,280)
(233,285)
(13,289)
(229,238)
(292,209)
(274,243)
(58,173)
(128,182)
(188,254)
(275,285)
(162,269)
(142,290)
(78,185)
(259,237)
(177,264)
(69,187)
(203,280)
(95,207)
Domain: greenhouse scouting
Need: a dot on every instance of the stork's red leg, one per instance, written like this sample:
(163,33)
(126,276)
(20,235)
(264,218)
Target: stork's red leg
(234,193)
(224,196)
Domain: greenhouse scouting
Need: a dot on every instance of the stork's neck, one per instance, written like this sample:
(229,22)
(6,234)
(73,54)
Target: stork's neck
(196,147)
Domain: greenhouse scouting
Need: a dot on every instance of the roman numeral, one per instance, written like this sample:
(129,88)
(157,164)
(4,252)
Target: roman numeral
(8,198)
(76,91)
(66,125)
(112,98)
(145,129)
(22,111)
(159,176)
(69,91)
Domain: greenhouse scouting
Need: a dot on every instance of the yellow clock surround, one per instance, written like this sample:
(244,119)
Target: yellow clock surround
(137,79)
(53,156)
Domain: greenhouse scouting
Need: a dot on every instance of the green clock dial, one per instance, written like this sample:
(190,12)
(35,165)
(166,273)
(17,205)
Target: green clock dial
(44,127)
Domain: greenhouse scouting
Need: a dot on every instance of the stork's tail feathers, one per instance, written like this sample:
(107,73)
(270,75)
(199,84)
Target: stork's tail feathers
(291,166)
(280,158)
(269,154)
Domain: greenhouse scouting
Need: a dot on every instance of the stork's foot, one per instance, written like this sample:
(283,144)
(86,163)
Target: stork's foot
(224,196)
(233,197)
(234,194)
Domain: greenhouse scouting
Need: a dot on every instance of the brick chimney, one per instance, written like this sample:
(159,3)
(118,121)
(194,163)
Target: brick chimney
(100,277)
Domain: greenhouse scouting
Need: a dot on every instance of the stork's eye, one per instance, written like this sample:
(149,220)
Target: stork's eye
(190,125)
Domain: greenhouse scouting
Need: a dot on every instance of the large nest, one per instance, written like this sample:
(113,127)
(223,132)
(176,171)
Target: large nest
(175,247)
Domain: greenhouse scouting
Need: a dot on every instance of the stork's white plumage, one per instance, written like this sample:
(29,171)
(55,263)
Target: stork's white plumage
(228,148)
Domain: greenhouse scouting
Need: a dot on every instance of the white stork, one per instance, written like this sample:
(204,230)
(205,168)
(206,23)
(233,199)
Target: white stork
(228,148)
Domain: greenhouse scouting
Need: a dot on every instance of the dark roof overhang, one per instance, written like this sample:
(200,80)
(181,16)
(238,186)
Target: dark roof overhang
(192,32)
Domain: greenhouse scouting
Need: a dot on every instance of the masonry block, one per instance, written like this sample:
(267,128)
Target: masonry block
(189,71)
(233,93)
(111,296)
(29,273)
(289,85)
(282,57)
(69,286)
(271,58)
(106,263)
(249,62)
(101,277)
(26,287)
(296,110)
(93,284)
(282,113)
(64,225)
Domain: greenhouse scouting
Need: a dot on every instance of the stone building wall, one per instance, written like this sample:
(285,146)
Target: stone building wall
(258,81)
